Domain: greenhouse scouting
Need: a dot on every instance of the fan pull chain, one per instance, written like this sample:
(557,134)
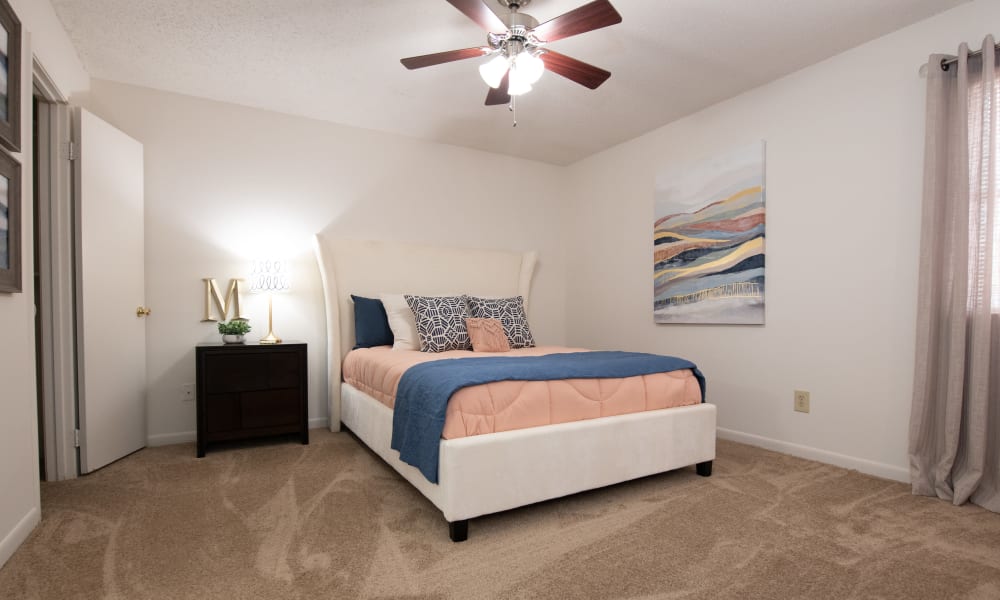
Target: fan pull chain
(512,107)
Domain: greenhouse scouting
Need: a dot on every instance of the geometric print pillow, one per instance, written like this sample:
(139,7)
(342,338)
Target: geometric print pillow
(510,312)
(440,322)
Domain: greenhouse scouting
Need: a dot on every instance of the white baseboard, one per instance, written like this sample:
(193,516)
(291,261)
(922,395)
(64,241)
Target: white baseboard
(13,540)
(320,423)
(165,439)
(824,456)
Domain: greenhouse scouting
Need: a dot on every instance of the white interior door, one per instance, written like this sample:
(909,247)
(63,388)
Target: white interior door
(111,336)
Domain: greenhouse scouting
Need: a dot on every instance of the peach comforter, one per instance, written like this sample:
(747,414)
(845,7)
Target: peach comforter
(507,405)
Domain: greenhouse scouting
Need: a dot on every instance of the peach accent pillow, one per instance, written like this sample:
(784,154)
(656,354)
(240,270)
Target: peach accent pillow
(487,335)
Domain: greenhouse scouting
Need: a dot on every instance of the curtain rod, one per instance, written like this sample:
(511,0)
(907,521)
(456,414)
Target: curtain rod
(947,62)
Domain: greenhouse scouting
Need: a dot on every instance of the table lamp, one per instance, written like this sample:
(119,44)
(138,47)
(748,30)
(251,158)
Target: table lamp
(269,276)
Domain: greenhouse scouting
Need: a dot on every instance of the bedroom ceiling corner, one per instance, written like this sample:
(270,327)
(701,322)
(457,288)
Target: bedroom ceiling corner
(339,61)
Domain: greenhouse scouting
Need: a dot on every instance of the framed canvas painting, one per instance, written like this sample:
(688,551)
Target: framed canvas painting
(10,78)
(10,224)
(708,240)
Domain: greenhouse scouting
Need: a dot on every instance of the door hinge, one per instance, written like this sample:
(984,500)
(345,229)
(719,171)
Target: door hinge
(76,438)
(71,151)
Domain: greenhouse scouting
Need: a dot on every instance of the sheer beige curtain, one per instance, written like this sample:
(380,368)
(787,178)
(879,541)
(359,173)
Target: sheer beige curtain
(955,422)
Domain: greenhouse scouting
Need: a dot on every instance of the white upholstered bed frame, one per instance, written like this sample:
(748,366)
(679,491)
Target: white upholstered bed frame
(489,473)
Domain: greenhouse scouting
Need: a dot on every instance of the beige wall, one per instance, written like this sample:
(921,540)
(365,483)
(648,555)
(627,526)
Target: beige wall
(225,184)
(19,502)
(844,163)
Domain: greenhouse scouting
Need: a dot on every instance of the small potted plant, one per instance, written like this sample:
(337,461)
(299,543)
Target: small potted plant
(234,331)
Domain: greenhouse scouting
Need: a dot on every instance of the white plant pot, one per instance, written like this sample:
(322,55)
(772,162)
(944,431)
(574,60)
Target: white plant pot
(232,339)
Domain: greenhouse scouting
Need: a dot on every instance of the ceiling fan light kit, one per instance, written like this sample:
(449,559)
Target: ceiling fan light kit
(516,46)
(493,70)
(529,66)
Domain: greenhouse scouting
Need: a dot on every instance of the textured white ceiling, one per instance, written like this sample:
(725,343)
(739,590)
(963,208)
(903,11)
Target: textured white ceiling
(339,61)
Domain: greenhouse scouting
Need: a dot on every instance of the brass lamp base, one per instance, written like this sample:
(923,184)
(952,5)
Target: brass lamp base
(270,338)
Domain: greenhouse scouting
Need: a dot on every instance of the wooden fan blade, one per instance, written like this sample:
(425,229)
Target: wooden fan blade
(588,17)
(499,95)
(574,70)
(481,14)
(428,60)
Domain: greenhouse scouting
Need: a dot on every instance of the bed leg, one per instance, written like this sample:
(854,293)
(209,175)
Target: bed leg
(704,468)
(458,531)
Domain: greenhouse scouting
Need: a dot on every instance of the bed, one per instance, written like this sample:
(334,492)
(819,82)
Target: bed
(492,472)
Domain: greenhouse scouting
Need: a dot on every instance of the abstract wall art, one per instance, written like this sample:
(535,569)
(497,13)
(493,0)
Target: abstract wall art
(10,78)
(708,240)
(10,224)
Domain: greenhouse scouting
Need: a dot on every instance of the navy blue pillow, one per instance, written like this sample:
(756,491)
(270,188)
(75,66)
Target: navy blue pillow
(371,325)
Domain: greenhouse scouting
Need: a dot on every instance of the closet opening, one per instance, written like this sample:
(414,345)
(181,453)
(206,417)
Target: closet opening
(52,280)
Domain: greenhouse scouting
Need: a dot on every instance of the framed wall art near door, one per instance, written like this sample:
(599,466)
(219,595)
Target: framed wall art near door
(10,224)
(10,78)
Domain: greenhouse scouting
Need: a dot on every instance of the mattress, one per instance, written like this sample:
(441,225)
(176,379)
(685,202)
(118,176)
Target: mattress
(510,405)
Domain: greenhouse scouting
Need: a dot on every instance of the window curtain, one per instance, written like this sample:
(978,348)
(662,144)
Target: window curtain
(955,421)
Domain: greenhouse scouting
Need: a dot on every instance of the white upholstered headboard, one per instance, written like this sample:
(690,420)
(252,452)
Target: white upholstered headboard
(368,268)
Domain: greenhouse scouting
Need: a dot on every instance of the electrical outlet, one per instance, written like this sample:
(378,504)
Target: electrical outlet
(801,401)
(187,392)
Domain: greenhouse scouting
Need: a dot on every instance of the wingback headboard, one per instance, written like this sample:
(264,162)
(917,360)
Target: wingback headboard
(368,268)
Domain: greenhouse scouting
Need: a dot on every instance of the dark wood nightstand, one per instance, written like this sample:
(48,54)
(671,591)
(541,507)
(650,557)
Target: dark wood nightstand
(250,390)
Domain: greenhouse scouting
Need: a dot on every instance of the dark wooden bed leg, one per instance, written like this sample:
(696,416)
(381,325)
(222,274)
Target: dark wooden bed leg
(458,531)
(704,468)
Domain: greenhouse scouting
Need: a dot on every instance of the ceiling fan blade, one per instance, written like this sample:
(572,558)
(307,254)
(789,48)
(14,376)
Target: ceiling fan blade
(428,60)
(481,14)
(575,70)
(499,95)
(588,17)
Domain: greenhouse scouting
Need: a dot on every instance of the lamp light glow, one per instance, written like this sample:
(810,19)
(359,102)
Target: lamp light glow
(493,70)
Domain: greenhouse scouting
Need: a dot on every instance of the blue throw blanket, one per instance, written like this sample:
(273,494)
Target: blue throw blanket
(424,390)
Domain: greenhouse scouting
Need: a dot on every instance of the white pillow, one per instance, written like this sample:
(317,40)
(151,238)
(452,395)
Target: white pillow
(401,322)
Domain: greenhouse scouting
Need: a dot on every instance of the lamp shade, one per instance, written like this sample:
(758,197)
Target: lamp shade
(269,275)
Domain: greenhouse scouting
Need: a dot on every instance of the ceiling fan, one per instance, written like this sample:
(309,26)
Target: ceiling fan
(518,42)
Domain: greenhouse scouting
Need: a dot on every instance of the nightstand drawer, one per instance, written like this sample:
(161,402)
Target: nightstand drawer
(251,371)
(272,408)
(222,413)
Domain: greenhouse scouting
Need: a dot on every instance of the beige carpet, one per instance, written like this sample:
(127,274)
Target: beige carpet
(330,520)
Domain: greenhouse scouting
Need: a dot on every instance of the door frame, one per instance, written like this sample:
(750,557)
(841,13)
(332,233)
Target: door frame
(56,256)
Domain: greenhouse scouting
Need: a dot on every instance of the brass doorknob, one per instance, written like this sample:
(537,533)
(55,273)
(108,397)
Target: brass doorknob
(142,311)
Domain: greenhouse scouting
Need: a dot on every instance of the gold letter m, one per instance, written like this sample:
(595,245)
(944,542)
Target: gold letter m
(232,299)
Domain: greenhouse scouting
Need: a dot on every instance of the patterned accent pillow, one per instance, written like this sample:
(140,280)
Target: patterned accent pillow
(510,311)
(487,335)
(440,322)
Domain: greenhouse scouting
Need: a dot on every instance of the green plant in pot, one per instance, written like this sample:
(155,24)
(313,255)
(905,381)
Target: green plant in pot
(234,331)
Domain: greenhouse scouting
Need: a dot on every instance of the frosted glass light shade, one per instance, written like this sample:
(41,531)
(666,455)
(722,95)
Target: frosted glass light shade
(530,66)
(493,70)
(518,82)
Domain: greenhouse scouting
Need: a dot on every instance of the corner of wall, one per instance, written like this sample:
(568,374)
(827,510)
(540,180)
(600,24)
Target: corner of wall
(51,45)
(13,540)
